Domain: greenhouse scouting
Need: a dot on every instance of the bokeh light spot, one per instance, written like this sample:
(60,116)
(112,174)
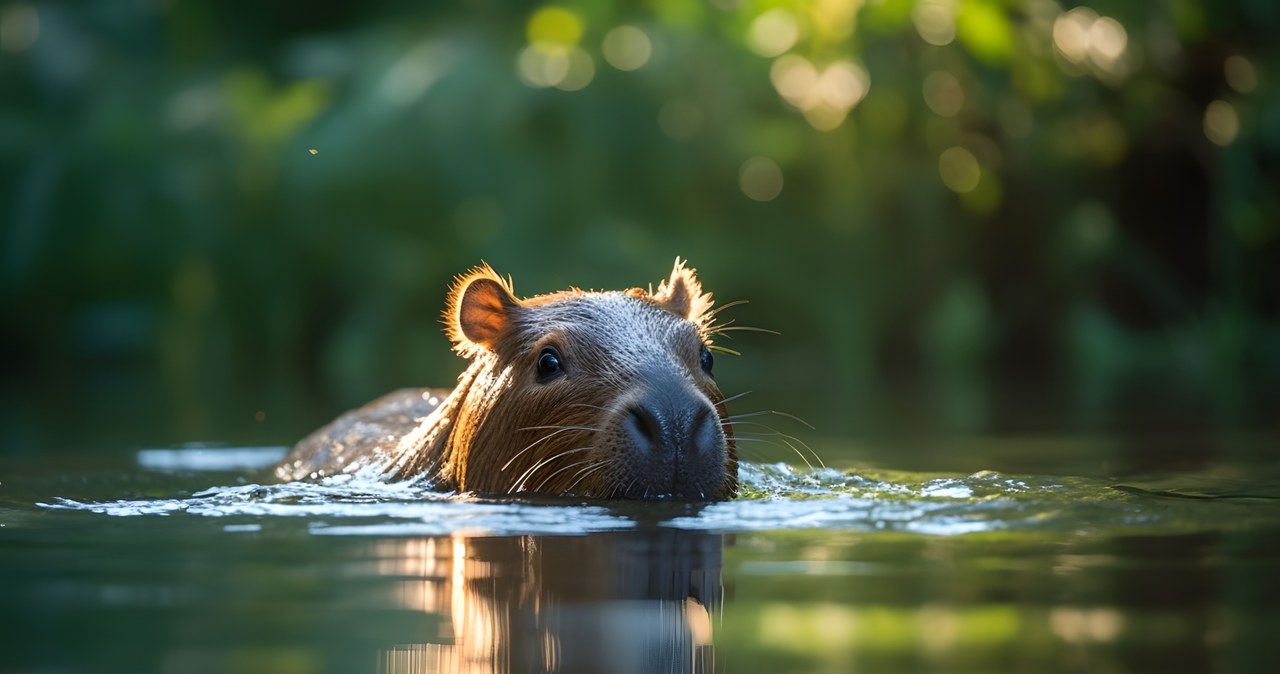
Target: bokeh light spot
(554,25)
(582,69)
(983,28)
(1221,123)
(553,57)
(959,170)
(760,179)
(626,48)
(793,77)
(825,117)
(943,93)
(1071,33)
(842,85)
(1091,43)
(773,33)
(568,69)
(825,97)
(416,72)
(1107,40)
(540,67)
(1240,74)
(19,27)
(192,107)
(1076,626)
(935,21)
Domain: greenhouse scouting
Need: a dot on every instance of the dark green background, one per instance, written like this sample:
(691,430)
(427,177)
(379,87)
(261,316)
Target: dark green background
(178,266)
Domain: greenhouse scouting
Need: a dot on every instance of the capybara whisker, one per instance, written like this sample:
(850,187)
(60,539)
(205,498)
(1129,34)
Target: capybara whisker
(760,413)
(785,438)
(630,484)
(735,397)
(744,328)
(751,454)
(583,473)
(617,385)
(588,429)
(523,479)
(538,441)
(728,305)
(561,470)
(780,445)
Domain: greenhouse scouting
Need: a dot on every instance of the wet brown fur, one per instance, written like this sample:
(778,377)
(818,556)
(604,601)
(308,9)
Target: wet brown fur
(502,431)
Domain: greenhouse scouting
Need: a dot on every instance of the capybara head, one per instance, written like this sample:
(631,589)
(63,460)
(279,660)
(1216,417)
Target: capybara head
(595,394)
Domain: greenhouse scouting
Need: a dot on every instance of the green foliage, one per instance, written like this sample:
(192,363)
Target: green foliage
(991,214)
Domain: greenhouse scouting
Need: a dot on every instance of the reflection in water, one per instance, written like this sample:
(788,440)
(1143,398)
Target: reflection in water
(860,571)
(866,571)
(639,601)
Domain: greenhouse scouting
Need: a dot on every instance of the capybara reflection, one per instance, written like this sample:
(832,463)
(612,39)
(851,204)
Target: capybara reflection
(581,393)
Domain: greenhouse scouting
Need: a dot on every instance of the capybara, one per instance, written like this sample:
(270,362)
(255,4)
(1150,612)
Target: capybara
(577,393)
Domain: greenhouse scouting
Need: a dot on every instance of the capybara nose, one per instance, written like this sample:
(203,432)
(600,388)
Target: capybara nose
(672,432)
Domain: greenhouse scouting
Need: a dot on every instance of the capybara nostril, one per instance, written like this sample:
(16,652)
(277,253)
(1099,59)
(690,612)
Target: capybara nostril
(704,434)
(644,429)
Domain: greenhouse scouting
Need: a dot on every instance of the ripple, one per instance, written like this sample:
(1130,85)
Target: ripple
(209,458)
(774,496)
(365,508)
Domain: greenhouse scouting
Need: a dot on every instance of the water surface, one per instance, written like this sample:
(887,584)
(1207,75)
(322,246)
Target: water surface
(191,560)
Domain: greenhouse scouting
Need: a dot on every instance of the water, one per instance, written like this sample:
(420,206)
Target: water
(191,560)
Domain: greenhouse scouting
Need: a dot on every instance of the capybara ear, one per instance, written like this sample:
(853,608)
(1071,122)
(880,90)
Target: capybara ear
(682,295)
(480,309)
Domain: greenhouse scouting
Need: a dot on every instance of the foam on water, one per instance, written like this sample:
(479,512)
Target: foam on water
(774,496)
(364,507)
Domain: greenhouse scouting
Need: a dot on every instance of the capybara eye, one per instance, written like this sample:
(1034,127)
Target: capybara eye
(548,363)
(708,360)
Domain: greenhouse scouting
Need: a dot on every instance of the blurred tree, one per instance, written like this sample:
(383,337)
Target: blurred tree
(973,215)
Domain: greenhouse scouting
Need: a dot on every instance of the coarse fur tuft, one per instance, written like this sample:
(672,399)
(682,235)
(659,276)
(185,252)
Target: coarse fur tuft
(682,295)
(454,304)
